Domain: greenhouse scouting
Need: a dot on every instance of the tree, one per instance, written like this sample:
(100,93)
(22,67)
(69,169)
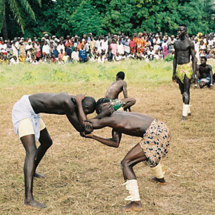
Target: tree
(18,9)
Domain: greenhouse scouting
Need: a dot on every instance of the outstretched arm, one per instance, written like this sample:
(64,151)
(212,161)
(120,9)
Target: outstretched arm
(81,115)
(73,119)
(112,142)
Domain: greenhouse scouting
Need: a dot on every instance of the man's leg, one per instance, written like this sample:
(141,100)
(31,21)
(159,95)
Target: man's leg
(45,142)
(133,157)
(202,84)
(129,102)
(28,142)
(185,92)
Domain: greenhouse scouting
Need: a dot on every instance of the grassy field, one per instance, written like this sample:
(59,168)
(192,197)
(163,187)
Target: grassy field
(83,176)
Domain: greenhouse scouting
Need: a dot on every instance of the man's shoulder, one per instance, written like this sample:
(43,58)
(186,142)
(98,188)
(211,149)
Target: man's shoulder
(209,66)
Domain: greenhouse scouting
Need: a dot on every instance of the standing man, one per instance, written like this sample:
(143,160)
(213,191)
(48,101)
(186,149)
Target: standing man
(31,128)
(205,73)
(182,67)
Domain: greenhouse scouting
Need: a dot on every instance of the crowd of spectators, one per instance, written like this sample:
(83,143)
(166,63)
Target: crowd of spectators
(142,46)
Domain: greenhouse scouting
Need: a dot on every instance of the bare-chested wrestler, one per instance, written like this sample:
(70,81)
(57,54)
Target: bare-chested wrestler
(182,67)
(204,73)
(116,88)
(31,128)
(153,146)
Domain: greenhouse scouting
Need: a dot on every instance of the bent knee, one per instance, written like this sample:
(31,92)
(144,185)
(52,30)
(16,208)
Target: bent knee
(133,101)
(124,163)
(49,143)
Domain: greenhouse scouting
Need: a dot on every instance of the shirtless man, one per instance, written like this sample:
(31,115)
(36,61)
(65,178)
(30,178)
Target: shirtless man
(153,146)
(117,87)
(182,67)
(205,73)
(31,128)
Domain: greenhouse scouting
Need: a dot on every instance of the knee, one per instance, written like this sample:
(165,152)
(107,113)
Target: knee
(49,143)
(124,163)
(31,153)
(186,97)
(133,101)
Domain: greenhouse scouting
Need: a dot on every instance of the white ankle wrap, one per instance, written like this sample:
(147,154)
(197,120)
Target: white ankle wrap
(185,109)
(189,111)
(158,172)
(132,187)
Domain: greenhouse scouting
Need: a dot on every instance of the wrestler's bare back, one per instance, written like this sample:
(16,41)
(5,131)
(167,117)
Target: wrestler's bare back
(115,88)
(52,103)
(130,123)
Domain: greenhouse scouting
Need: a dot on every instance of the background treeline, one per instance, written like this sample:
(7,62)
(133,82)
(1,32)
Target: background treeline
(31,18)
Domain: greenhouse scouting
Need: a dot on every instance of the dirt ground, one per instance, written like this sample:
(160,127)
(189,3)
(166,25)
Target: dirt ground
(83,177)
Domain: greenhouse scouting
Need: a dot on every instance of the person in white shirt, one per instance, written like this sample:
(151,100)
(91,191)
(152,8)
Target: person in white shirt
(75,55)
(61,46)
(120,48)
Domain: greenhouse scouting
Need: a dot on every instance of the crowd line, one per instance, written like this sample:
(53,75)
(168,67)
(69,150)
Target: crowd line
(101,49)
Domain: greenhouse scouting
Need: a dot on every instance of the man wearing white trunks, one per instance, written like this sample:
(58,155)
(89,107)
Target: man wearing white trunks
(31,128)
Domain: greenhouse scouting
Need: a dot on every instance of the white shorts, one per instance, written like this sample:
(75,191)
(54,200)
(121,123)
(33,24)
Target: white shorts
(26,127)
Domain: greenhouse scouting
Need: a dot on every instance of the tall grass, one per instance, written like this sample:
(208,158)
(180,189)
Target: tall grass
(136,71)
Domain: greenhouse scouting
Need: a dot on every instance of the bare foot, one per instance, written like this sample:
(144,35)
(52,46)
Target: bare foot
(133,206)
(34,204)
(183,118)
(38,175)
(159,180)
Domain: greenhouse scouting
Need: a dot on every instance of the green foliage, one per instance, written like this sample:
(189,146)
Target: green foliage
(86,19)
(102,16)
(18,9)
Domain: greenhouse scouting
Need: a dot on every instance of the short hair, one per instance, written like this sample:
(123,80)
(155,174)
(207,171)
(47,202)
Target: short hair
(204,57)
(101,101)
(89,102)
(120,75)
(183,25)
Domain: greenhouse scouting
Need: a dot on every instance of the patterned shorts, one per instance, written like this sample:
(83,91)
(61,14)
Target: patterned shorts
(184,69)
(155,142)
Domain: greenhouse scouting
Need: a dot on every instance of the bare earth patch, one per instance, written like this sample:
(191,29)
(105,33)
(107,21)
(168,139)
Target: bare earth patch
(84,177)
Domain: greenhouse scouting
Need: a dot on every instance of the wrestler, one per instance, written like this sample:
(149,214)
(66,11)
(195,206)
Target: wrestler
(205,73)
(114,105)
(153,146)
(31,128)
(182,67)
(117,87)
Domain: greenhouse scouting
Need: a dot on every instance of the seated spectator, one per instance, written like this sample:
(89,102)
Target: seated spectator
(13,60)
(82,55)
(205,73)
(75,55)
(66,58)
(60,55)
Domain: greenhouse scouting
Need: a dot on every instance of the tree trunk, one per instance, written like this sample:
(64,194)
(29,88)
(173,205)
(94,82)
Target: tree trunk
(4,29)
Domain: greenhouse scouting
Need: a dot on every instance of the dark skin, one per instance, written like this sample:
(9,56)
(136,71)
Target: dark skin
(184,50)
(204,70)
(116,88)
(50,103)
(133,124)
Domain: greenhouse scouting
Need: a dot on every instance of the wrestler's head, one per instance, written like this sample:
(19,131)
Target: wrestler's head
(182,30)
(101,105)
(88,104)
(120,75)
